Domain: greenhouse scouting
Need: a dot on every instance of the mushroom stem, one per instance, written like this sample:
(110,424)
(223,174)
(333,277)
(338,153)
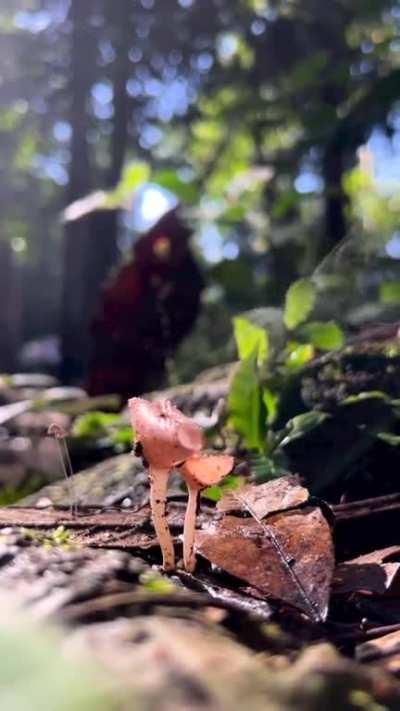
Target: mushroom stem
(69,475)
(158,496)
(60,436)
(189,558)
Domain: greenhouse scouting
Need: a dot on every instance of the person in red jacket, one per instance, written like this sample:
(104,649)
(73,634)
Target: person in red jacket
(146,309)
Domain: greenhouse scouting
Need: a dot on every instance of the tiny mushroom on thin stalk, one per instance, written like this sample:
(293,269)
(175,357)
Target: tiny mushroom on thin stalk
(168,439)
(60,434)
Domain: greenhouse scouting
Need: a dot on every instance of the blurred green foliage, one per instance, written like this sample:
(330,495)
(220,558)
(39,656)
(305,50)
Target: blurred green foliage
(251,340)
(259,384)
(326,336)
(294,411)
(10,494)
(251,113)
(299,302)
(36,675)
(107,428)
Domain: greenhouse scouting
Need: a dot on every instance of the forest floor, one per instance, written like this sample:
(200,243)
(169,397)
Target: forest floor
(294,603)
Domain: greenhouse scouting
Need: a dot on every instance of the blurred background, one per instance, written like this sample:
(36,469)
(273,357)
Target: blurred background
(166,164)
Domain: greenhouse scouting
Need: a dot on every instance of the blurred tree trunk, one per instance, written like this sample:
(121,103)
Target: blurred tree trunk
(122,31)
(90,244)
(77,244)
(10,311)
(335,227)
(104,224)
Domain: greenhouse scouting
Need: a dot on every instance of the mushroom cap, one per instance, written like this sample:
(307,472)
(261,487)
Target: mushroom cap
(202,470)
(167,436)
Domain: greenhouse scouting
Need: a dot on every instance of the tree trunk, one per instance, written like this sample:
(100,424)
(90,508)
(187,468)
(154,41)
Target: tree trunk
(104,224)
(77,239)
(335,227)
(122,40)
(10,311)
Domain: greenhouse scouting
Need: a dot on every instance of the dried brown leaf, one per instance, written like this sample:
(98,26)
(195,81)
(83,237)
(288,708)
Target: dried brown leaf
(375,573)
(291,559)
(384,650)
(278,495)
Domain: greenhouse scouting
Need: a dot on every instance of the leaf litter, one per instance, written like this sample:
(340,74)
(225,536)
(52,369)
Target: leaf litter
(283,493)
(375,573)
(289,558)
(270,537)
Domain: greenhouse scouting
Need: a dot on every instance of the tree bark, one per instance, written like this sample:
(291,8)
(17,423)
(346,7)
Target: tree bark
(104,224)
(77,239)
(10,311)
(90,244)
(335,227)
(122,39)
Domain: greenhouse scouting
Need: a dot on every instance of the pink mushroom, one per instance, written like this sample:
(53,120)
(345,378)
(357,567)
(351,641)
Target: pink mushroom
(200,471)
(168,439)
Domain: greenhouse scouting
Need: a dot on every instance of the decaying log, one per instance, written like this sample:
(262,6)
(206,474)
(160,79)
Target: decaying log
(162,647)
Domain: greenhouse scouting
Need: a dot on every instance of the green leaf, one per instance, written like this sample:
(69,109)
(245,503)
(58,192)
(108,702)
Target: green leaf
(327,336)
(299,302)
(389,292)
(302,424)
(298,355)
(231,482)
(212,493)
(251,340)
(156,584)
(133,177)
(373,411)
(245,405)
(368,395)
(186,191)
(123,437)
(95,424)
(265,468)
(271,402)
(389,438)
(234,213)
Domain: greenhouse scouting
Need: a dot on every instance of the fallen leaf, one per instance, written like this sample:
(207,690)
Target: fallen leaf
(384,650)
(279,495)
(376,573)
(383,555)
(8,412)
(290,560)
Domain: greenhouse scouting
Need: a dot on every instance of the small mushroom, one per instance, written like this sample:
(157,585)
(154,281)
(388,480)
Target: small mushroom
(167,438)
(200,471)
(60,434)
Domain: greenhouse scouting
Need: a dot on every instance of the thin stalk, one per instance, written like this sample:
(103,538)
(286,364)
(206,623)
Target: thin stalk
(158,497)
(59,433)
(68,472)
(189,558)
